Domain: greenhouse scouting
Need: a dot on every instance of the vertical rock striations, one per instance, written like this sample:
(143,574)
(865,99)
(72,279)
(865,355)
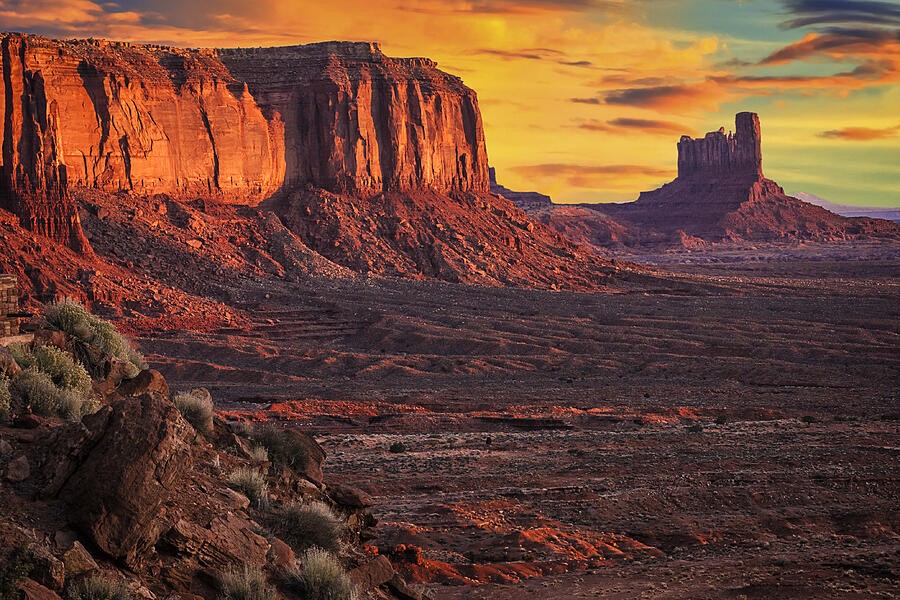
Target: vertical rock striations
(358,121)
(239,124)
(33,180)
(736,156)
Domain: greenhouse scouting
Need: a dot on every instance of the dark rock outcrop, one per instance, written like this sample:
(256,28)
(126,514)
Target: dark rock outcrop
(137,450)
(523,200)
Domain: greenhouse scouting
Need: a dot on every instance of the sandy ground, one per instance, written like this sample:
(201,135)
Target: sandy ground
(732,434)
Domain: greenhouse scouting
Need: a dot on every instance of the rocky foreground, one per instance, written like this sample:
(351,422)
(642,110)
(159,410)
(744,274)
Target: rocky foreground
(156,497)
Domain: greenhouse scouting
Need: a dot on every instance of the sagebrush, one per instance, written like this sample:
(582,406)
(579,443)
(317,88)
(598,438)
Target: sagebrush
(319,576)
(73,318)
(245,583)
(100,587)
(252,484)
(281,446)
(310,525)
(197,409)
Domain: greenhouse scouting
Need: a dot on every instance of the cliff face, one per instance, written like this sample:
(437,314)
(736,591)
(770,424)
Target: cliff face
(240,124)
(33,182)
(737,155)
(357,121)
(154,119)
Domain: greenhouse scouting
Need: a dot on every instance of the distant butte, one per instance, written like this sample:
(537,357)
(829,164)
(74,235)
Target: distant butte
(720,195)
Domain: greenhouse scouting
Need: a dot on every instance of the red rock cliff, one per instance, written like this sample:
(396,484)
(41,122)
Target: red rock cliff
(33,183)
(359,121)
(240,124)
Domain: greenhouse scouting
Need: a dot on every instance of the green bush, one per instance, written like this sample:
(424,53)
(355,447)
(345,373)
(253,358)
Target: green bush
(252,484)
(35,389)
(310,525)
(197,409)
(281,445)
(73,318)
(73,406)
(99,587)
(4,398)
(246,583)
(65,372)
(13,571)
(318,576)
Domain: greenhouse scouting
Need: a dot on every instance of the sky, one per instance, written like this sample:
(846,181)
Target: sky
(585,99)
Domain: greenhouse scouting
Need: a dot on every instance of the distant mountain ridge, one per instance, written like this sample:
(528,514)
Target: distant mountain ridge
(891,213)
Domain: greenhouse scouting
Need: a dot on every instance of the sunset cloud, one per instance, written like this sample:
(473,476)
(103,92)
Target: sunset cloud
(561,80)
(622,126)
(594,176)
(862,134)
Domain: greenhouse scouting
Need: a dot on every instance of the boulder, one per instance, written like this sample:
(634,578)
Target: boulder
(147,381)
(47,570)
(32,590)
(349,497)
(116,494)
(18,469)
(280,554)
(230,540)
(372,573)
(78,560)
(399,588)
(308,461)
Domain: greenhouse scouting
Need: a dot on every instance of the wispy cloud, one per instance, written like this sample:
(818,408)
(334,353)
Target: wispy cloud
(592,176)
(862,134)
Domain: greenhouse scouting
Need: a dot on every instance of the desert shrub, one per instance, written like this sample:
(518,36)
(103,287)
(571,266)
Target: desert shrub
(721,420)
(197,409)
(13,571)
(310,525)
(35,389)
(397,447)
(100,587)
(695,428)
(809,419)
(23,357)
(73,318)
(252,484)
(259,454)
(73,406)
(65,372)
(4,398)
(281,446)
(318,576)
(245,583)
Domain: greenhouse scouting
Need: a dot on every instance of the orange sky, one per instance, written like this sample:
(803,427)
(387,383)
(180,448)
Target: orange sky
(585,99)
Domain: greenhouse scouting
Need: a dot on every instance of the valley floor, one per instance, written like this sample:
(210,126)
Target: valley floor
(733,433)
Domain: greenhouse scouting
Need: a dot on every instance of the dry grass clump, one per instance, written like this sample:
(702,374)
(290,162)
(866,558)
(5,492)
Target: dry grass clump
(246,583)
(319,576)
(99,587)
(281,446)
(73,318)
(310,525)
(197,409)
(252,484)
(259,454)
